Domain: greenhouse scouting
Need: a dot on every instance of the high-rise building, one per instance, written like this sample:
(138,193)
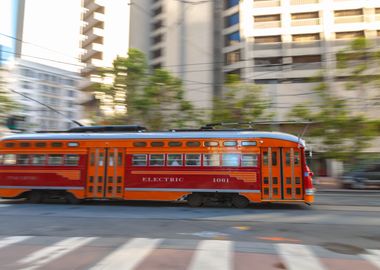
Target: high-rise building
(180,36)
(53,87)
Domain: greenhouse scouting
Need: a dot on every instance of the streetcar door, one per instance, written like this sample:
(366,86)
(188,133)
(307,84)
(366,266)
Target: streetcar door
(292,174)
(271,185)
(105,173)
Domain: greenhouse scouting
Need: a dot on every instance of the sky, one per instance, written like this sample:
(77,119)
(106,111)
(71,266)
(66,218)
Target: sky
(6,26)
(51,31)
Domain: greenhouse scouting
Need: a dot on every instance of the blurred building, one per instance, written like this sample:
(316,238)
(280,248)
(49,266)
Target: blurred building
(183,37)
(54,87)
(105,35)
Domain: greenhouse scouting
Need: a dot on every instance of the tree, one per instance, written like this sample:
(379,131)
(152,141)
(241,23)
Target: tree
(7,105)
(241,102)
(155,100)
(342,131)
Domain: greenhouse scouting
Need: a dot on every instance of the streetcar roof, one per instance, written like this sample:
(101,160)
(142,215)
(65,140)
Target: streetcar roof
(158,135)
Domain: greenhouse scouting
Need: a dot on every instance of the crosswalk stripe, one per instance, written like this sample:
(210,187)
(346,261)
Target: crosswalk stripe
(48,254)
(298,257)
(212,254)
(12,240)
(373,257)
(129,255)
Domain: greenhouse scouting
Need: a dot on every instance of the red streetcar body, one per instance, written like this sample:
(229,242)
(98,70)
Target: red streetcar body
(242,166)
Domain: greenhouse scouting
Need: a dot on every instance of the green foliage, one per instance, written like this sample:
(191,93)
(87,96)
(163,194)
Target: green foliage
(7,105)
(343,132)
(241,102)
(154,100)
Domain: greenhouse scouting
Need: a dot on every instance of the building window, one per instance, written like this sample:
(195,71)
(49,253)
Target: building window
(232,57)
(350,12)
(268,64)
(268,18)
(305,15)
(231,3)
(306,37)
(349,35)
(231,20)
(157,25)
(157,11)
(232,39)
(268,39)
(306,62)
(156,53)
(156,39)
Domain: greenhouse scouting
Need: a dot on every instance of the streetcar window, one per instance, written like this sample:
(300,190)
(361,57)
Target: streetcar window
(55,160)
(111,159)
(56,144)
(72,144)
(139,144)
(247,143)
(211,144)
(10,145)
(174,160)
(193,144)
(24,144)
(38,160)
(296,158)
(1,159)
(9,159)
(71,160)
(193,160)
(157,144)
(265,158)
(157,160)
(274,158)
(175,144)
(230,143)
(211,160)
(119,159)
(249,160)
(40,144)
(22,159)
(101,159)
(231,160)
(92,159)
(139,160)
(287,158)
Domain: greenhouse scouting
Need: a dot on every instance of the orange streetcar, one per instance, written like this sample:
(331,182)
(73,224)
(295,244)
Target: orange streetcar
(130,163)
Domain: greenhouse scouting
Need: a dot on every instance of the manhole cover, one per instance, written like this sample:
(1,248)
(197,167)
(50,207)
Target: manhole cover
(344,248)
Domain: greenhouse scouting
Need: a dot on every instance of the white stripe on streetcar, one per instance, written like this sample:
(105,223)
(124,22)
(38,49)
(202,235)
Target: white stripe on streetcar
(129,255)
(48,254)
(12,240)
(298,257)
(373,257)
(212,254)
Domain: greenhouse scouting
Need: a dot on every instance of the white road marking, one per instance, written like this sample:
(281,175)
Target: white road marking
(373,257)
(212,254)
(129,255)
(298,257)
(48,254)
(12,240)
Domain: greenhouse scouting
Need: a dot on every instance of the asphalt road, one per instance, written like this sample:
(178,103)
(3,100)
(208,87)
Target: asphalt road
(352,218)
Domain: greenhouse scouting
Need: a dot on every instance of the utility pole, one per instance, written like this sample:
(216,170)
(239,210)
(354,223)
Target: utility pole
(217,11)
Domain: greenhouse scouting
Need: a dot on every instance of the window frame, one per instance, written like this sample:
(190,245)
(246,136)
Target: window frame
(139,165)
(157,165)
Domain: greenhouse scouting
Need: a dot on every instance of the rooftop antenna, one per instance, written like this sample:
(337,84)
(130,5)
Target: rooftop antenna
(47,106)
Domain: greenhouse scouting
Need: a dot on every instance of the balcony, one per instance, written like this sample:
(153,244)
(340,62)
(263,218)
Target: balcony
(277,67)
(273,24)
(306,66)
(93,51)
(267,46)
(95,20)
(350,19)
(95,35)
(306,44)
(305,22)
(267,3)
(303,2)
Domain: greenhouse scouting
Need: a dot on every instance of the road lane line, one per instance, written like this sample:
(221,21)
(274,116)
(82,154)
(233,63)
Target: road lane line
(298,257)
(129,255)
(373,257)
(48,254)
(12,240)
(212,254)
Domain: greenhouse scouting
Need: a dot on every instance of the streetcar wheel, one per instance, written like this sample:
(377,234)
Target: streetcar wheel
(35,197)
(195,200)
(240,201)
(71,199)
